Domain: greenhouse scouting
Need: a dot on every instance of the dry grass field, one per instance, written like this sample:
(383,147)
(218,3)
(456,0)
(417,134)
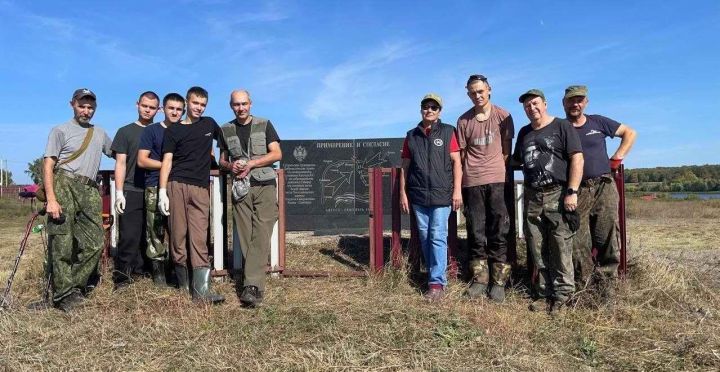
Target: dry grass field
(667,316)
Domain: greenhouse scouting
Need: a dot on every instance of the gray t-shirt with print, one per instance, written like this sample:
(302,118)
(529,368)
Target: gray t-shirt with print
(67,138)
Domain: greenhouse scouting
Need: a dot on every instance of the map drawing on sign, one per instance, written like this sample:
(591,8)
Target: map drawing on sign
(338,181)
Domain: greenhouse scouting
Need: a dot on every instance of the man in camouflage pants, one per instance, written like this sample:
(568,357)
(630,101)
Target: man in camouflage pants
(485,135)
(150,158)
(75,243)
(549,150)
(597,197)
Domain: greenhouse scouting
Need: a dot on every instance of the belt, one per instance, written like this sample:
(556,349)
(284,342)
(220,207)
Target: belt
(87,181)
(546,188)
(603,178)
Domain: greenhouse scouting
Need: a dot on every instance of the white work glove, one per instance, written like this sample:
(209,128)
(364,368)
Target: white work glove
(163,202)
(119,202)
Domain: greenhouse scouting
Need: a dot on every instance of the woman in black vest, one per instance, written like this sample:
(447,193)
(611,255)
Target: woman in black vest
(430,182)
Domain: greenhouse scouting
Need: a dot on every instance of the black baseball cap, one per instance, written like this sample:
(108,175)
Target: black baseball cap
(82,93)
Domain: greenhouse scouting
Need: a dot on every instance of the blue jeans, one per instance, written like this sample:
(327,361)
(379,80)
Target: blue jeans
(432,224)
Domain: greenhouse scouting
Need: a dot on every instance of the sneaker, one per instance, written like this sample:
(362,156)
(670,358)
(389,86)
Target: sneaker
(435,294)
(251,296)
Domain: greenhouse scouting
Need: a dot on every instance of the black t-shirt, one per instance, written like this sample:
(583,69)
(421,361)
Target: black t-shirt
(592,136)
(191,146)
(126,142)
(545,152)
(243,133)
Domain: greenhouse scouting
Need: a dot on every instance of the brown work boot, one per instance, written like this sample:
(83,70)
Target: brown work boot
(500,275)
(481,277)
(606,291)
(538,305)
(436,293)
(557,306)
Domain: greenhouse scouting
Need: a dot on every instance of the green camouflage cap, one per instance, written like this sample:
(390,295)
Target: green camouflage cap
(533,93)
(433,97)
(576,90)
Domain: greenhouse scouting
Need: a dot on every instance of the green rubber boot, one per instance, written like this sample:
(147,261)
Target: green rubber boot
(201,291)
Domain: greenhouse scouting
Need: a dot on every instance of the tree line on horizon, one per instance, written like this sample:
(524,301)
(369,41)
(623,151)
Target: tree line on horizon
(687,178)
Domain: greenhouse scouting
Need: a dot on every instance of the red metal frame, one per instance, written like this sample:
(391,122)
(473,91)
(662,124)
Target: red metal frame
(620,184)
(107,176)
(376,220)
(395,240)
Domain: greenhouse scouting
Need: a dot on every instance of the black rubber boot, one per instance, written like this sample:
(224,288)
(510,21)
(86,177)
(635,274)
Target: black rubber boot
(158,273)
(201,287)
(481,277)
(181,272)
(500,275)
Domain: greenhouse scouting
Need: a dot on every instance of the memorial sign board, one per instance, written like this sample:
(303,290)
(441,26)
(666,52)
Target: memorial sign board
(327,181)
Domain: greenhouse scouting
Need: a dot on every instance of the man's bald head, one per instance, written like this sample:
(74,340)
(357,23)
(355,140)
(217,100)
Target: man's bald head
(241,103)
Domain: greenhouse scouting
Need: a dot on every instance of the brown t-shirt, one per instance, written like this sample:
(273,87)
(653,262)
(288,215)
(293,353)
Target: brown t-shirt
(482,143)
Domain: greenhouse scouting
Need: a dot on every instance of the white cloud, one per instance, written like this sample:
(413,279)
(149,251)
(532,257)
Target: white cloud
(352,87)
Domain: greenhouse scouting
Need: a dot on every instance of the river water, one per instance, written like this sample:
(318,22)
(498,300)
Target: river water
(700,195)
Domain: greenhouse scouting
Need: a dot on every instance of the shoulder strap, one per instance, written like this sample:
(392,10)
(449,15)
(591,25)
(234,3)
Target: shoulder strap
(82,148)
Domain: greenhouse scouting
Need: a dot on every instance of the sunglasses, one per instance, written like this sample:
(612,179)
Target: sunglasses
(476,78)
(431,107)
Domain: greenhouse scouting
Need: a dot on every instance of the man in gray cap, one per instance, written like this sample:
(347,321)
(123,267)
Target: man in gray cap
(76,237)
(551,155)
(597,196)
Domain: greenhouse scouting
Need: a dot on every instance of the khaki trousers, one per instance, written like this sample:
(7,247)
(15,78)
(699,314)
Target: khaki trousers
(255,217)
(189,219)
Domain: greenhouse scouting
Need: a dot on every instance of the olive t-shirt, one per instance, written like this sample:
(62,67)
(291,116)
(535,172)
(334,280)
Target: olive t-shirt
(126,141)
(482,143)
(191,146)
(545,152)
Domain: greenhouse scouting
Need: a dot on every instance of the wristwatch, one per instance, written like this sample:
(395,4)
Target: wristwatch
(571,191)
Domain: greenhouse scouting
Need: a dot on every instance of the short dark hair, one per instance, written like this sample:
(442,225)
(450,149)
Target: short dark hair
(198,91)
(149,94)
(477,77)
(173,97)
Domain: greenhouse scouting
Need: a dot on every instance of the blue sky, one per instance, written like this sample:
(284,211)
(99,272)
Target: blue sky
(339,69)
